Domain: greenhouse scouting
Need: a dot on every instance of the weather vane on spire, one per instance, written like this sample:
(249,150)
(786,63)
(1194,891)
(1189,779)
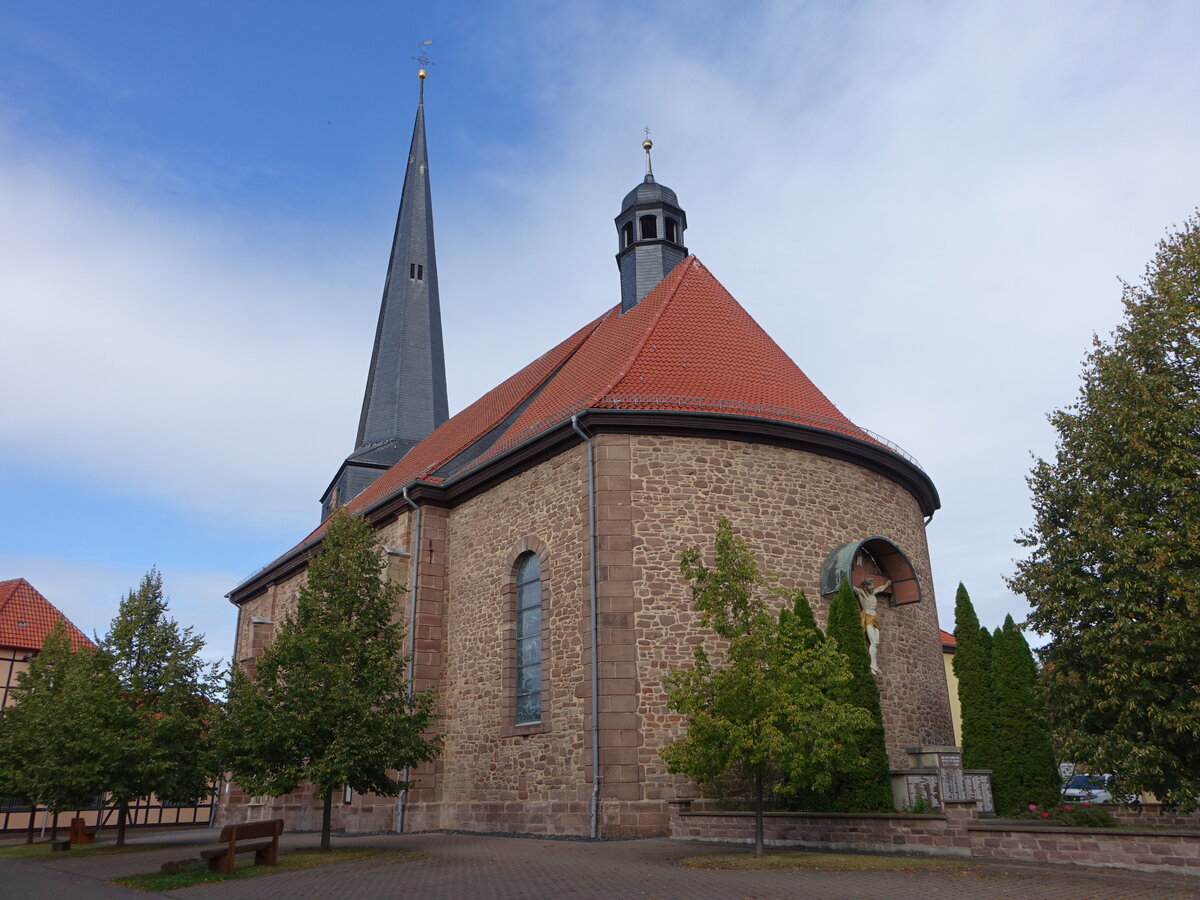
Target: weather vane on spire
(646,145)
(423,59)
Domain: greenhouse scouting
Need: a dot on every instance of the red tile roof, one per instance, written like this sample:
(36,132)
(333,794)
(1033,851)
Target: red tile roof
(688,345)
(948,639)
(26,617)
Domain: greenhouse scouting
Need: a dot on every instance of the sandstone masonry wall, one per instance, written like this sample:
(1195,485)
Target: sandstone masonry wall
(495,775)
(655,496)
(792,508)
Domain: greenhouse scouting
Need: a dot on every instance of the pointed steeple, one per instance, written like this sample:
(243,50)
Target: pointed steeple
(650,230)
(405,398)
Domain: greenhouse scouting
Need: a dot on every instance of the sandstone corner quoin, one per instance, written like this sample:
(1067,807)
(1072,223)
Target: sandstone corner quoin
(603,459)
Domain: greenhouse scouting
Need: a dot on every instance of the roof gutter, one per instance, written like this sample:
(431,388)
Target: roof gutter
(556,438)
(591,455)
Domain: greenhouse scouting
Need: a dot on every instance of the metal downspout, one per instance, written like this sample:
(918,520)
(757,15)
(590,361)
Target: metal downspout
(595,805)
(412,635)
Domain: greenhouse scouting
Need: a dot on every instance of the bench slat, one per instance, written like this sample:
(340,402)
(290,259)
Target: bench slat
(241,848)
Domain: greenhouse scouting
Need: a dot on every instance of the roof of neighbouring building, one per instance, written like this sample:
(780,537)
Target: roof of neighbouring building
(26,617)
(948,641)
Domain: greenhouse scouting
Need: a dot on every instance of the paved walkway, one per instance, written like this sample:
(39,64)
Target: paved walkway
(472,867)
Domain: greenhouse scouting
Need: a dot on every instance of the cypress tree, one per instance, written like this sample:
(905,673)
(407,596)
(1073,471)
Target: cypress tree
(972,668)
(870,788)
(802,610)
(1024,769)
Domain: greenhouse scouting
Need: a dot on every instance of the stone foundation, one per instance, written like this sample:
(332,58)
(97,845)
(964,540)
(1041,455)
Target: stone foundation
(553,817)
(958,833)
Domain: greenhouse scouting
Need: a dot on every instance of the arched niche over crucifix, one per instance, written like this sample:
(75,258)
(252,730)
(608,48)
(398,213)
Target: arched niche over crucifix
(876,558)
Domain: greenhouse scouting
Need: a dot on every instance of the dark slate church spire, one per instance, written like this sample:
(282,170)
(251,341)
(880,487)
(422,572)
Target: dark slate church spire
(405,397)
(650,234)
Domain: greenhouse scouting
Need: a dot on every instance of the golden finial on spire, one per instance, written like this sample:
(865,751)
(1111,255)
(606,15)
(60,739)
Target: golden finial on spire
(646,145)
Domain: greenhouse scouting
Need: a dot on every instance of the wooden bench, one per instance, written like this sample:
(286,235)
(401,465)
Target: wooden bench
(80,833)
(242,839)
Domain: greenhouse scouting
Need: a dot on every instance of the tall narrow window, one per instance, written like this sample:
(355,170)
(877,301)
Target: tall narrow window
(626,234)
(649,227)
(529,639)
(672,230)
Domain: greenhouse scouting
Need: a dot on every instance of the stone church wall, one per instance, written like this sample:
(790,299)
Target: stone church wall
(655,496)
(792,508)
(495,776)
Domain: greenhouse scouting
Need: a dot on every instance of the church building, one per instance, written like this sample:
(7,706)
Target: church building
(540,531)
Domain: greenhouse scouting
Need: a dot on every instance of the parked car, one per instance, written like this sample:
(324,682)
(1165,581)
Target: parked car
(1094,789)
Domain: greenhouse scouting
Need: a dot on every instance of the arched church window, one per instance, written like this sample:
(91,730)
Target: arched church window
(626,235)
(672,234)
(649,227)
(529,639)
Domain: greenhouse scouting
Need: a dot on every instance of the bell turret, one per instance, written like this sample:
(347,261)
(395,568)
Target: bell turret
(650,234)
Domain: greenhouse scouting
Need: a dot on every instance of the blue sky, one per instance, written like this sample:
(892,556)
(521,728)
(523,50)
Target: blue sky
(928,205)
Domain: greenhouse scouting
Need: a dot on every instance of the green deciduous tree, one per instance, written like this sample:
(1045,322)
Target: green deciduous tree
(772,706)
(58,742)
(972,664)
(1114,550)
(1024,767)
(169,692)
(329,703)
(868,788)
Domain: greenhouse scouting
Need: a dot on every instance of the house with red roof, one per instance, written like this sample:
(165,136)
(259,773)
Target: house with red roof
(539,532)
(949,645)
(26,617)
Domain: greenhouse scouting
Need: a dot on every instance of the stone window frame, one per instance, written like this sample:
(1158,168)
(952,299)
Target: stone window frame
(508,656)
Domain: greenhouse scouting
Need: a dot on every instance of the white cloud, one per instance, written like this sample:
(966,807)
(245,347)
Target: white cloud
(926,205)
(931,221)
(168,355)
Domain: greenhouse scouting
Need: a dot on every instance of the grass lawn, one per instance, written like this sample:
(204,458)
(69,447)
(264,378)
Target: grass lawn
(798,859)
(42,849)
(288,862)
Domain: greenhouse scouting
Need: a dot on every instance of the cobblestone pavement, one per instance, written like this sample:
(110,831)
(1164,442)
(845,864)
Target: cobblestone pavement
(466,867)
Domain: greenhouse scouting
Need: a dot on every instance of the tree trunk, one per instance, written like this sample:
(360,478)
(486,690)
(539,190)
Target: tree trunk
(54,827)
(122,818)
(758,814)
(326,819)
(32,823)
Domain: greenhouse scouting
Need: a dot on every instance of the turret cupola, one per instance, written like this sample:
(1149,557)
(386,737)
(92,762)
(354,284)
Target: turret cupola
(650,234)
